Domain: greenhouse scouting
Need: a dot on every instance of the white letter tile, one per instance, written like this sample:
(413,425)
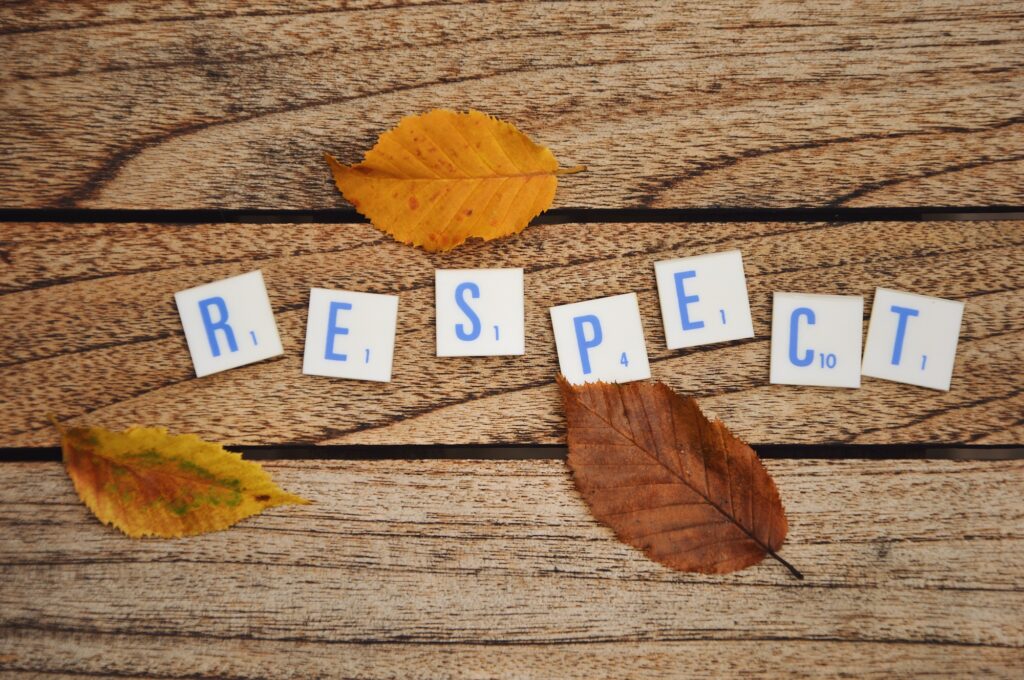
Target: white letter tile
(912,338)
(350,335)
(816,339)
(479,312)
(601,339)
(228,323)
(704,299)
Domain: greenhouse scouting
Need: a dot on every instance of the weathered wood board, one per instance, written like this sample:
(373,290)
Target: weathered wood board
(467,569)
(495,568)
(678,105)
(91,332)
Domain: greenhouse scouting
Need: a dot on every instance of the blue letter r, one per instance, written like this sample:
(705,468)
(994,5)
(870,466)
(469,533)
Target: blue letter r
(221,324)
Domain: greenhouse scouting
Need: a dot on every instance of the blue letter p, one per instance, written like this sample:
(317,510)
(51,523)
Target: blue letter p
(584,344)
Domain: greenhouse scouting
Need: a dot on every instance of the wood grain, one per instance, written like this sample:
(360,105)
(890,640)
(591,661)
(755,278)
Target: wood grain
(735,103)
(91,333)
(469,568)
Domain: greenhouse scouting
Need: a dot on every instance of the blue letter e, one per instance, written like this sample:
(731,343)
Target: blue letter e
(581,340)
(221,324)
(474,320)
(685,300)
(794,325)
(333,330)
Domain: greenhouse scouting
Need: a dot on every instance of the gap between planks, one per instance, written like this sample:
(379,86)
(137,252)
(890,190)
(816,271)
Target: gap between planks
(381,452)
(564,215)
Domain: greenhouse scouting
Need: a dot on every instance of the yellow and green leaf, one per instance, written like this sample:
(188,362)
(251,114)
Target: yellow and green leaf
(147,482)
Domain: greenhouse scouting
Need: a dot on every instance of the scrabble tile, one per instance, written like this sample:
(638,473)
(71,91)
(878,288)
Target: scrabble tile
(816,339)
(601,339)
(704,299)
(228,323)
(479,312)
(350,335)
(912,338)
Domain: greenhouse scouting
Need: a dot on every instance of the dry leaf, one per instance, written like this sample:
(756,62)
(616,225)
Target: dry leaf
(444,176)
(670,482)
(147,482)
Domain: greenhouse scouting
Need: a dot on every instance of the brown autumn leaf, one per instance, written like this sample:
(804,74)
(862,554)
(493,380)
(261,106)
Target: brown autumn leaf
(668,481)
(147,482)
(444,176)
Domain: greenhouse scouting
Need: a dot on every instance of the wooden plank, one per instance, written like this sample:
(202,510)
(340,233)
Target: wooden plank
(91,333)
(430,568)
(67,655)
(735,103)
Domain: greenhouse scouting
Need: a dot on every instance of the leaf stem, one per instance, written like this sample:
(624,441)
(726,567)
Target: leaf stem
(793,570)
(571,171)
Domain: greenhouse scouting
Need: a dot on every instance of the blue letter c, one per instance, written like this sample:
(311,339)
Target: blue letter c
(794,323)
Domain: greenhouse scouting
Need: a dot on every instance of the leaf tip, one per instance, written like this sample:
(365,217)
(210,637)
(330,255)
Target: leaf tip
(56,423)
(564,386)
(332,162)
(281,497)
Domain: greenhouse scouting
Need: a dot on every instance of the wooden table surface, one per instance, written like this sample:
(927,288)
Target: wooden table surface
(428,567)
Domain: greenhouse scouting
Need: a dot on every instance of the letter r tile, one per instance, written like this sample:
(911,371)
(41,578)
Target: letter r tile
(228,323)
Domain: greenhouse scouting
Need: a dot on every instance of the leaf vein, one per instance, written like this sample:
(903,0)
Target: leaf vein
(651,507)
(670,530)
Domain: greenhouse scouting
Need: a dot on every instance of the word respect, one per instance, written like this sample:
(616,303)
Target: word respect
(816,339)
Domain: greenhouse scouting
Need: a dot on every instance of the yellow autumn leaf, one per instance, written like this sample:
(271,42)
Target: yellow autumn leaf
(147,482)
(445,176)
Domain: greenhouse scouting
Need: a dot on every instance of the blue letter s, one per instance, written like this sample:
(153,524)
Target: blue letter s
(474,320)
